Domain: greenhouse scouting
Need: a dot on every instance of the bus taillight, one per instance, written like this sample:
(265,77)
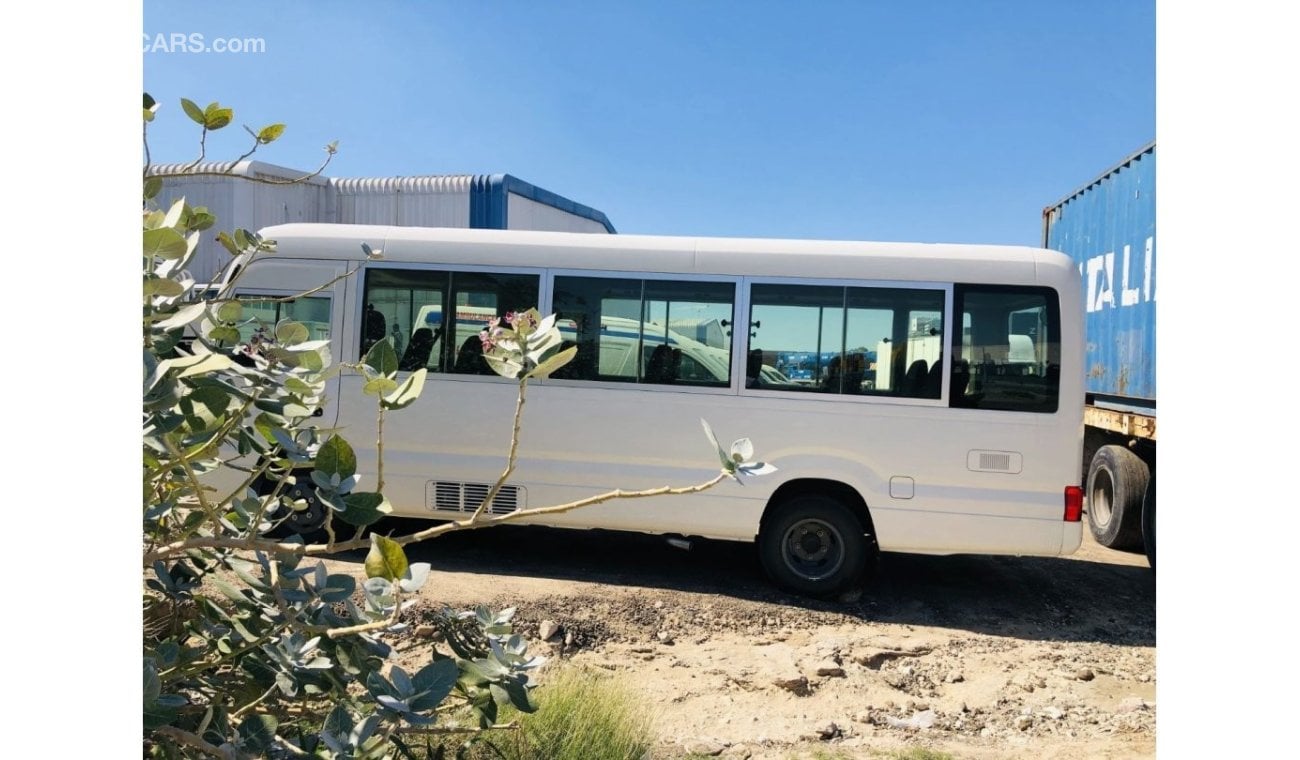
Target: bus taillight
(1073,503)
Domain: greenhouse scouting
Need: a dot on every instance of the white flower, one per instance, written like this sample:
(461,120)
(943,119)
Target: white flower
(736,463)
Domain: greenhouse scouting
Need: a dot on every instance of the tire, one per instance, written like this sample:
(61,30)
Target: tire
(815,545)
(1117,483)
(308,523)
(1149,523)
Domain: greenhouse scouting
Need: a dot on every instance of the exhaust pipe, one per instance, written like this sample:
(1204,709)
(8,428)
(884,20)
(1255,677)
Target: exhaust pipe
(679,543)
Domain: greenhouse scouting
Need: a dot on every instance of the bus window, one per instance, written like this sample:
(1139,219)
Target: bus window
(1010,350)
(876,341)
(414,304)
(646,331)
(312,311)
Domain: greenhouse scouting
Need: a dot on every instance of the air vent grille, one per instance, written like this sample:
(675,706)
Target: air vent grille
(466,497)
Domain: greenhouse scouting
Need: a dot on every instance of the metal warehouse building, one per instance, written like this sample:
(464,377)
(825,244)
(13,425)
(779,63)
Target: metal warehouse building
(233,192)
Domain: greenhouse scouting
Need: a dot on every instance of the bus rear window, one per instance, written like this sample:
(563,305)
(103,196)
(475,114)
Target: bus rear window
(1009,357)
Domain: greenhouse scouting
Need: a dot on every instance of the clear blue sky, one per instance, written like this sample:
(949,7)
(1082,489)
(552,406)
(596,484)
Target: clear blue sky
(936,121)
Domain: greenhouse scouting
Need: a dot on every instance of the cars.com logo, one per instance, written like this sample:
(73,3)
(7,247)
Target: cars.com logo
(195,42)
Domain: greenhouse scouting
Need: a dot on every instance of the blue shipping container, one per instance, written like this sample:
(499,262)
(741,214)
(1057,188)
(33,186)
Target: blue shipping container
(1109,228)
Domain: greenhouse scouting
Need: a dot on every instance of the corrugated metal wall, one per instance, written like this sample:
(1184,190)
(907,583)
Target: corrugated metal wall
(1109,227)
(404,201)
(527,214)
(236,200)
(232,193)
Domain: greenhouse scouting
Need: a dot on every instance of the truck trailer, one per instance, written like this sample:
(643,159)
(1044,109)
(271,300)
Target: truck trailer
(1108,227)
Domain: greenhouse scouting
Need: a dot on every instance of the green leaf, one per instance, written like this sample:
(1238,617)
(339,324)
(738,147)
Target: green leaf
(555,362)
(174,213)
(382,358)
(227,243)
(337,588)
(152,684)
(201,220)
(301,387)
(152,186)
(408,392)
(386,559)
(289,333)
(270,133)
(230,311)
(436,680)
(224,334)
(336,457)
(196,365)
(364,508)
(161,286)
(379,386)
(183,316)
(165,243)
(193,111)
(258,733)
(215,117)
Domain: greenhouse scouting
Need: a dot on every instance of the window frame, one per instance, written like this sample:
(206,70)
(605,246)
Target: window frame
(358,309)
(736,378)
(1055,327)
(946,288)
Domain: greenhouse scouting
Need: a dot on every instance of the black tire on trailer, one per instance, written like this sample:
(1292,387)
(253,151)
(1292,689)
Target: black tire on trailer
(814,544)
(1149,522)
(1117,483)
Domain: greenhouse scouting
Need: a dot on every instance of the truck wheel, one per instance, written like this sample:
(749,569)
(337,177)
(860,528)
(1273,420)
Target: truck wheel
(1117,482)
(1149,522)
(815,545)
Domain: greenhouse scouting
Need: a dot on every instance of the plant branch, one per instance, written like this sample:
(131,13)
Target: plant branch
(185,172)
(376,625)
(194,741)
(216,542)
(236,715)
(513,455)
(203,150)
(194,481)
(147,160)
(511,726)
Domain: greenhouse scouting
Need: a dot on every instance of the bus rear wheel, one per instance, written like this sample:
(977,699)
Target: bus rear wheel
(815,545)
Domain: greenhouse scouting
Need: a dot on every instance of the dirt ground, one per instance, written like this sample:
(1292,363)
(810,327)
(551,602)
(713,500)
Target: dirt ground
(979,657)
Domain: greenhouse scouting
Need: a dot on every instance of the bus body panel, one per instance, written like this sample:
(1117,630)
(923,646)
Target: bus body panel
(913,461)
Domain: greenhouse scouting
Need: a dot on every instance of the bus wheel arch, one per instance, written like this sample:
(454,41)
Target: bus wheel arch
(816,537)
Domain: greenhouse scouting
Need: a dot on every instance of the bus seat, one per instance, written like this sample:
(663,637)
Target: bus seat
(960,382)
(469,360)
(374,328)
(754,367)
(418,351)
(661,367)
(914,381)
(933,387)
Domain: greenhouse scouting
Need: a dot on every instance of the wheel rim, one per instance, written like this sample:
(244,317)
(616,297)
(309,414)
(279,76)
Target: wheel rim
(1099,501)
(313,516)
(812,548)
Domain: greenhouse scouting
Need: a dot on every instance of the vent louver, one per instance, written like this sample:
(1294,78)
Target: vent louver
(466,497)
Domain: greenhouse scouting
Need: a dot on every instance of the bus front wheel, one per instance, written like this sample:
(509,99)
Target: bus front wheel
(307,517)
(815,545)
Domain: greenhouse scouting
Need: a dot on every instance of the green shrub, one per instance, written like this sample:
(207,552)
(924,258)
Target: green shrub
(581,715)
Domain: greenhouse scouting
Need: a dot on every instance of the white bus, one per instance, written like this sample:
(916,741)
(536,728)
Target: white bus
(944,413)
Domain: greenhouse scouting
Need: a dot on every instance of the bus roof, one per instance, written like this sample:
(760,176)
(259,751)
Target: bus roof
(757,257)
